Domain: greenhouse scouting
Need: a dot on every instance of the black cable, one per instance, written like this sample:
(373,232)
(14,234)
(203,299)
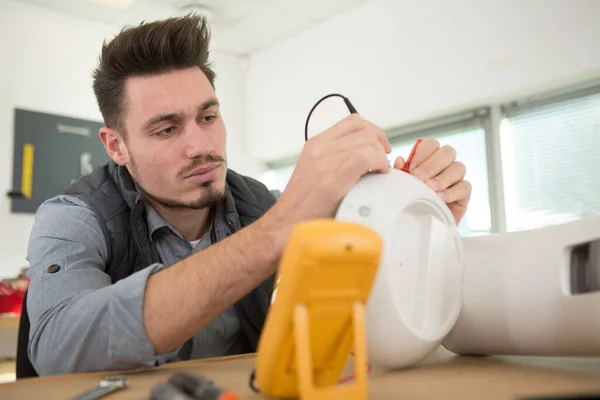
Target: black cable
(346,100)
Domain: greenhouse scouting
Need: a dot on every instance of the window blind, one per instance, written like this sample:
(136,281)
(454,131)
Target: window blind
(551,167)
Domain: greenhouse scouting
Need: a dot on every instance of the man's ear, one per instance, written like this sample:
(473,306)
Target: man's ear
(114,145)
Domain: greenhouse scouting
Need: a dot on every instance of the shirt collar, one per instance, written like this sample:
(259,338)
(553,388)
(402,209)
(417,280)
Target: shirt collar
(155,221)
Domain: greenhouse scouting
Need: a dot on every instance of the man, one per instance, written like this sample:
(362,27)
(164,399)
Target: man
(164,254)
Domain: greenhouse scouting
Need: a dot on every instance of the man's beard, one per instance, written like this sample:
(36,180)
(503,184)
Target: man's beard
(210,196)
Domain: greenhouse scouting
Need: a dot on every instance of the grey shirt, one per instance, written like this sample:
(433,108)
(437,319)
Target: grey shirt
(80,321)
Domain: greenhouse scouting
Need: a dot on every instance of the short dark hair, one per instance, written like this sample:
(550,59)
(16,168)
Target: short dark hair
(147,49)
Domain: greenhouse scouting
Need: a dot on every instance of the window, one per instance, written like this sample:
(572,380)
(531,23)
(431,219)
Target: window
(550,160)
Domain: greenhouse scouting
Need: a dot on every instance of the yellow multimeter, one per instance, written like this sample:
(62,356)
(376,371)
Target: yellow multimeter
(318,316)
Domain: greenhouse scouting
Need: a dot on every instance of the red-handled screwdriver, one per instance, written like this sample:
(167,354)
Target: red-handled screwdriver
(406,167)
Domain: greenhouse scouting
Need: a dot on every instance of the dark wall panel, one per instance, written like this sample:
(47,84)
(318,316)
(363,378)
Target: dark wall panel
(64,148)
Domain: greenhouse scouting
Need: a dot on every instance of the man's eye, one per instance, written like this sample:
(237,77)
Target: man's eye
(210,118)
(166,131)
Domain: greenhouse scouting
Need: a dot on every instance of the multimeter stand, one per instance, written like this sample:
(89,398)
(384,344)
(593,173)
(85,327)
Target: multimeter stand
(317,316)
(305,366)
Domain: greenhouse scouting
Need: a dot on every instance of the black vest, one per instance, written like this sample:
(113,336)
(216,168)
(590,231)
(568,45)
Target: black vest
(110,192)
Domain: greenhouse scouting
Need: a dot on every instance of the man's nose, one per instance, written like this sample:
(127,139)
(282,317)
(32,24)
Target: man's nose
(197,141)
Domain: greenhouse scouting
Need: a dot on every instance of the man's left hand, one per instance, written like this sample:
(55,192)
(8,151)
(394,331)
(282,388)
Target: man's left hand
(438,168)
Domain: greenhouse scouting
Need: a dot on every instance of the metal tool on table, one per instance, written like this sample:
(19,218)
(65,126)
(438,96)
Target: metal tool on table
(107,385)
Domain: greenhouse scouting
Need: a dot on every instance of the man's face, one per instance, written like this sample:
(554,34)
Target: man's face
(175,139)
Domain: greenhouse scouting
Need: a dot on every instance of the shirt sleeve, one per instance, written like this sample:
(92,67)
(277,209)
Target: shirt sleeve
(80,321)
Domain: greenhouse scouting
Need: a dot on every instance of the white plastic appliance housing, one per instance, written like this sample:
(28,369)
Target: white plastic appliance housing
(416,298)
(534,292)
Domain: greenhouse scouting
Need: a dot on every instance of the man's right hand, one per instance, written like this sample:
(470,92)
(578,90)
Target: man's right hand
(330,164)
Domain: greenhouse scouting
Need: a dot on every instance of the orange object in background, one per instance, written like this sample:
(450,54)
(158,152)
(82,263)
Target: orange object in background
(12,292)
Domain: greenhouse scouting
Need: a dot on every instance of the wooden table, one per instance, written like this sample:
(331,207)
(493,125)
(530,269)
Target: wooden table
(441,376)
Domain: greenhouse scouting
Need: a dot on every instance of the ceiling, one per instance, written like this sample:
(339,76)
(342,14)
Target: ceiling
(238,26)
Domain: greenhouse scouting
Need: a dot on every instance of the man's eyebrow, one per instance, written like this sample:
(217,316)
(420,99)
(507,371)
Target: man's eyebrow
(160,118)
(208,104)
(175,116)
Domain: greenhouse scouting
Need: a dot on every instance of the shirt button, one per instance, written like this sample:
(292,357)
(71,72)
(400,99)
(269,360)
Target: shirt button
(53,268)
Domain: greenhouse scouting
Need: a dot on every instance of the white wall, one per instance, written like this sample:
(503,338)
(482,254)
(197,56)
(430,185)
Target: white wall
(400,61)
(231,89)
(46,61)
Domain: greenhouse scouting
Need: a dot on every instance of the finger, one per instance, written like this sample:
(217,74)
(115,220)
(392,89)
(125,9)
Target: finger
(333,155)
(436,163)
(365,136)
(399,163)
(459,193)
(359,161)
(453,174)
(424,151)
(329,143)
(353,123)
(375,160)
(347,146)
(349,124)
(381,135)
